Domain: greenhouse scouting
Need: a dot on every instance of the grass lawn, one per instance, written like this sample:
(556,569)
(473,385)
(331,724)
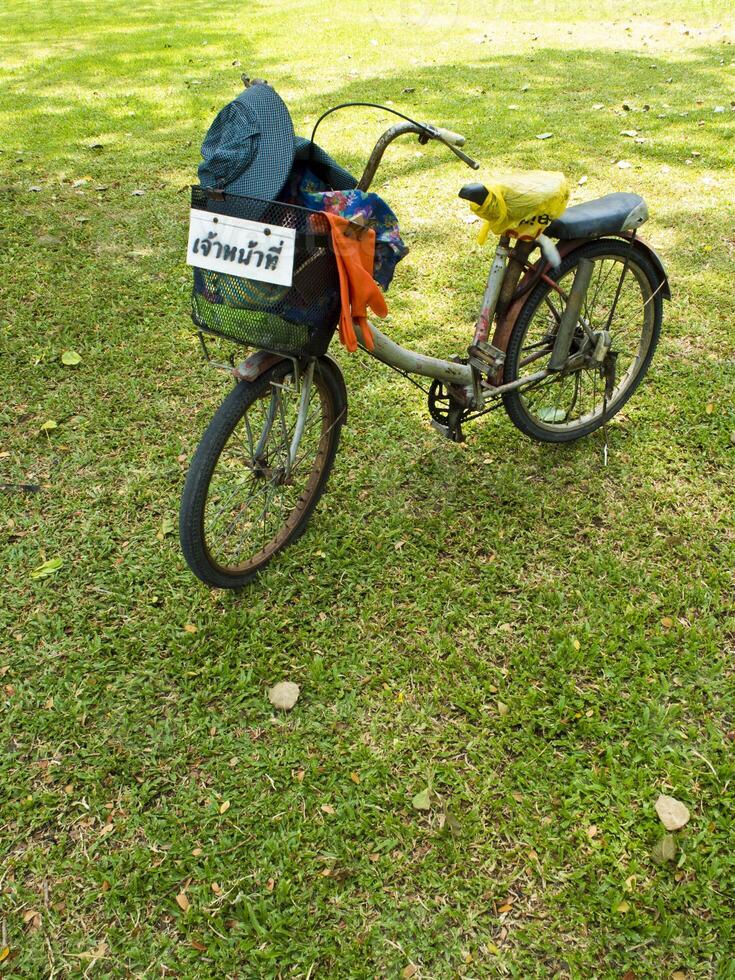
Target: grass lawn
(544,643)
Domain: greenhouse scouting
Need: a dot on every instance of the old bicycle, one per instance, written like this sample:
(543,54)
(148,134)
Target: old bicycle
(563,338)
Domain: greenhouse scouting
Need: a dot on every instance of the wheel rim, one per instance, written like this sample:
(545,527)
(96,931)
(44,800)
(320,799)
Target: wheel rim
(572,400)
(256,500)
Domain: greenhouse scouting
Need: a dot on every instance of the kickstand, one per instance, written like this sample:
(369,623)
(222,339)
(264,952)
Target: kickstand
(610,365)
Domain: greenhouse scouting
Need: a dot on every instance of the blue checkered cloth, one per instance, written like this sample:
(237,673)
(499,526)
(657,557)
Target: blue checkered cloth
(249,148)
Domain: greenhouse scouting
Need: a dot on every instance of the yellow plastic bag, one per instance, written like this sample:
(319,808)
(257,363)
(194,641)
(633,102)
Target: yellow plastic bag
(521,203)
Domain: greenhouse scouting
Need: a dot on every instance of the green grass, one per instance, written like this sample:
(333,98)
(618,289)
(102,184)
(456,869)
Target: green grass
(434,583)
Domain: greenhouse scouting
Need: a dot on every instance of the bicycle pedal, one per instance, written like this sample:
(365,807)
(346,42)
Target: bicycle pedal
(443,430)
(485,357)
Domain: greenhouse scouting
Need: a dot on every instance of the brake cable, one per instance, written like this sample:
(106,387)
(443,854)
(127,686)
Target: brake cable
(427,130)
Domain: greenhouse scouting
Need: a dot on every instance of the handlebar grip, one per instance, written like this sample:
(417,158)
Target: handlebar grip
(456,139)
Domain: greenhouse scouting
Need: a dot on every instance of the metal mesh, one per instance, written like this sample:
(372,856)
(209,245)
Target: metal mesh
(297,319)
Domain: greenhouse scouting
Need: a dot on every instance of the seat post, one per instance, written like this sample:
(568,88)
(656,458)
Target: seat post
(492,291)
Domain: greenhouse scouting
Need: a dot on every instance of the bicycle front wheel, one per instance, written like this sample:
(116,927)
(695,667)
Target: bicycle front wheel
(247,495)
(573,403)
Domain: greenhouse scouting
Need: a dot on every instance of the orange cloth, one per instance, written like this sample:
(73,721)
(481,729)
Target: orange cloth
(355,253)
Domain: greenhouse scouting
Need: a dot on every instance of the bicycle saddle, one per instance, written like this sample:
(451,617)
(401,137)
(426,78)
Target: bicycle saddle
(606,215)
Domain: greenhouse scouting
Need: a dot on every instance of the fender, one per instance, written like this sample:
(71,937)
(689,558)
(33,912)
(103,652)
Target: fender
(261,361)
(505,325)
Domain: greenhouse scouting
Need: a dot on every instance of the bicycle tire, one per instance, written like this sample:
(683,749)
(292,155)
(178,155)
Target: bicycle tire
(644,272)
(195,545)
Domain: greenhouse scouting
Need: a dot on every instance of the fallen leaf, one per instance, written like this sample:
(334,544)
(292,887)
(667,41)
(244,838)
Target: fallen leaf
(4,953)
(503,709)
(709,408)
(576,644)
(667,622)
(624,907)
(196,852)
(30,914)
(624,165)
(49,426)
(629,132)
(544,136)
(224,807)
(492,949)
(183,902)
(216,888)
(49,567)
(449,820)
(70,358)
(582,180)
(399,545)
(671,812)
(138,193)
(422,800)
(190,628)
(199,946)
(517,796)
(504,908)
(592,831)
(94,954)
(664,850)
(270,884)
(167,526)
(678,975)
(327,808)
(284,695)
(355,777)
(409,971)
(598,105)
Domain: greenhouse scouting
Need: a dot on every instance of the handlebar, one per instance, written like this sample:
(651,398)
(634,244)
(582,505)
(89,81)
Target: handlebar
(425,132)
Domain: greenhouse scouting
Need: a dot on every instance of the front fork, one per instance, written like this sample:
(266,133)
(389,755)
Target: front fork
(302,380)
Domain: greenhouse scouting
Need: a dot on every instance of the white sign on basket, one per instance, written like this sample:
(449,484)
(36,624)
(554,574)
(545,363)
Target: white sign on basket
(240,247)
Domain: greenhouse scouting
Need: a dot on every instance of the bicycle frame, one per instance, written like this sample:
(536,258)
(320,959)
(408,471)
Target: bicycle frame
(455,373)
(475,381)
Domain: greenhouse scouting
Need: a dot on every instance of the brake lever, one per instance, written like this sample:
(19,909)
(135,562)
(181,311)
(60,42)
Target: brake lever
(431,132)
(462,156)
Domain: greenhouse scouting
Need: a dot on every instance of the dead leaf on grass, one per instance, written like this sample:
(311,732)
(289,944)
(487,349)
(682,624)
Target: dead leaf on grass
(671,812)
(664,850)
(422,800)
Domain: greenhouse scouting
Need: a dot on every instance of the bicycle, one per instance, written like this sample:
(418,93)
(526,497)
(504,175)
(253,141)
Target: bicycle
(573,334)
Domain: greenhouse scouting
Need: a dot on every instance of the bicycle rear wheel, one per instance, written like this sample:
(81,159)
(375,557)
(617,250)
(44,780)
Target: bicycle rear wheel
(244,498)
(573,403)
